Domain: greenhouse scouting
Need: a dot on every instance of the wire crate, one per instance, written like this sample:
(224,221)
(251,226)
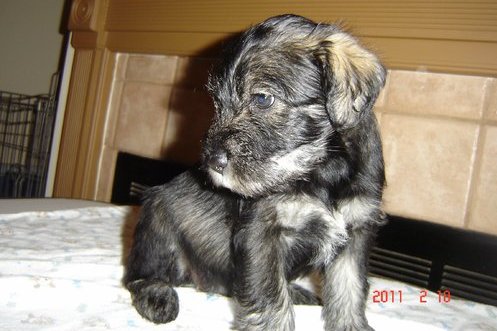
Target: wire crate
(26,126)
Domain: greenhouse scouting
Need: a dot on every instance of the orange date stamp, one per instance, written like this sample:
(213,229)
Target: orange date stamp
(396,296)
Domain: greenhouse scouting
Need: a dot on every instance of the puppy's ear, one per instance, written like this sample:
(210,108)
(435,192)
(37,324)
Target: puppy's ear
(352,77)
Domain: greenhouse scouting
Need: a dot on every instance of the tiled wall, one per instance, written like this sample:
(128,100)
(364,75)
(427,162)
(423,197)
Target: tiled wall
(440,143)
(439,134)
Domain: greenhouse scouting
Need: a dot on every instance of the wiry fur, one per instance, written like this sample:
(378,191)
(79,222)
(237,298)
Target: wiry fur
(297,185)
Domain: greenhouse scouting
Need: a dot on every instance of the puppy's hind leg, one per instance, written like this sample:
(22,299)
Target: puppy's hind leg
(154,264)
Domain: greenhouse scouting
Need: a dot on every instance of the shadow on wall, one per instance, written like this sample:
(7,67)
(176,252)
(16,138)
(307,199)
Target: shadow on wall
(190,107)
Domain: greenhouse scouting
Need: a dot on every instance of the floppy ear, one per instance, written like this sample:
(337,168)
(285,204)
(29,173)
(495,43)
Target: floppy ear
(352,78)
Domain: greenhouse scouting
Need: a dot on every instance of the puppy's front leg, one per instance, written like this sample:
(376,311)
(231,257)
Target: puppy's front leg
(261,288)
(345,287)
(153,265)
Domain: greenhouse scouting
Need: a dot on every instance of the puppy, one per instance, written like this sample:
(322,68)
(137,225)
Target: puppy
(291,181)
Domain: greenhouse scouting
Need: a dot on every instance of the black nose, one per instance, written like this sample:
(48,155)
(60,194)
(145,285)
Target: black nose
(218,161)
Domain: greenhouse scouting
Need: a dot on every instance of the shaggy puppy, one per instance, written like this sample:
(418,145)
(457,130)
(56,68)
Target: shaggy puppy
(291,181)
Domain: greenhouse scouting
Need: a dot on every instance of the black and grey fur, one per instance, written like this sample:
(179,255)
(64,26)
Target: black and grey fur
(291,182)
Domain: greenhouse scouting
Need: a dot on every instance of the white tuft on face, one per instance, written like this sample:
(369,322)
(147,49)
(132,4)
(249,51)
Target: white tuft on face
(301,160)
(298,161)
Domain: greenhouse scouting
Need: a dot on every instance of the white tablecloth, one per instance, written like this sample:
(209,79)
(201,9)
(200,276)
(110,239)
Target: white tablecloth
(62,270)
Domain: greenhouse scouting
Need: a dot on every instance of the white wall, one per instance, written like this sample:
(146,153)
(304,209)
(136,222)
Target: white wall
(30,44)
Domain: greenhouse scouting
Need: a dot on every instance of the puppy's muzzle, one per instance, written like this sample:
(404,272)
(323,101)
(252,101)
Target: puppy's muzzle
(218,160)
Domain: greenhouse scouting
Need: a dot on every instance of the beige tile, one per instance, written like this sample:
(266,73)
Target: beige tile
(192,72)
(189,118)
(116,95)
(142,118)
(428,167)
(121,64)
(483,215)
(436,94)
(106,174)
(158,69)
(491,100)
(378,116)
(380,102)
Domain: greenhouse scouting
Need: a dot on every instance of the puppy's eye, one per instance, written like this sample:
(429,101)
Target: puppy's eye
(262,100)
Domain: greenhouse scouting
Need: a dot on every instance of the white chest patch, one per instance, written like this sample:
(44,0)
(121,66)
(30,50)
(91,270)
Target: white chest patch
(357,210)
(296,211)
(293,212)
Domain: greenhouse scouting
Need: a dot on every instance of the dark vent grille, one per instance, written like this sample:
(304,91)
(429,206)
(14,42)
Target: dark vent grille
(470,285)
(136,189)
(410,269)
(134,174)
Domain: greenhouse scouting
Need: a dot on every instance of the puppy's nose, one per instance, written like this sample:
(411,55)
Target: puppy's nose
(218,161)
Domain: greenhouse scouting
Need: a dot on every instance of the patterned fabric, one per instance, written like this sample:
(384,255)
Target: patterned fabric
(62,270)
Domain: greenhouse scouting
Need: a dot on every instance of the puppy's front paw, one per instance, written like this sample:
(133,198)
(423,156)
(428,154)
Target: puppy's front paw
(154,300)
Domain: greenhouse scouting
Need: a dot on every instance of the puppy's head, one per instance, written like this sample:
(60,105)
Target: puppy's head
(284,88)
